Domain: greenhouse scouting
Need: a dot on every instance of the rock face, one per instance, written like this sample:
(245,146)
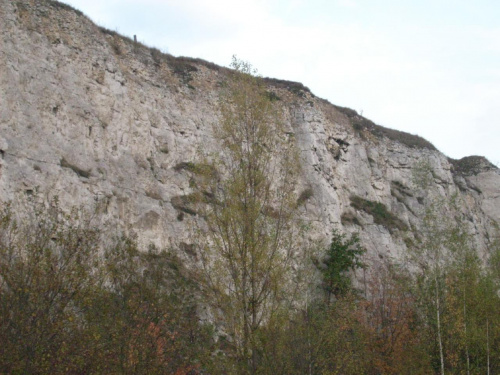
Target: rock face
(100,121)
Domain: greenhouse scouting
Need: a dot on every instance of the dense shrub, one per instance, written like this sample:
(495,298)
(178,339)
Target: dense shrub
(71,305)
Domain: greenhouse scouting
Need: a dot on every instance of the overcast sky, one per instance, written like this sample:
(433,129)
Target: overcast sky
(428,67)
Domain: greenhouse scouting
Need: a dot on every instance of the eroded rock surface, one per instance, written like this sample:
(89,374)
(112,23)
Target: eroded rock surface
(98,120)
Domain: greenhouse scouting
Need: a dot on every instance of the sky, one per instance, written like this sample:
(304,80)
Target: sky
(427,67)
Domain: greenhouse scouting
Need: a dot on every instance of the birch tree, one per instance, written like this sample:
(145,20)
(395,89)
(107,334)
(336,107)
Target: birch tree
(429,256)
(248,202)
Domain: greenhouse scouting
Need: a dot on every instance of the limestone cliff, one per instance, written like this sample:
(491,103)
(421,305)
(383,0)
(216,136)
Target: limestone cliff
(92,117)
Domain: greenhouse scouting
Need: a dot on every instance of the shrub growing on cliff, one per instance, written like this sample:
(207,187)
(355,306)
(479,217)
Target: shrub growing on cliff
(379,212)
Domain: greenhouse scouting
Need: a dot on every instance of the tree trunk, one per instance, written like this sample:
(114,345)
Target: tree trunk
(488,346)
(465,332)
(438,316)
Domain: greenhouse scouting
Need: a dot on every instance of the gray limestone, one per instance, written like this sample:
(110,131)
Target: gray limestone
(100,121)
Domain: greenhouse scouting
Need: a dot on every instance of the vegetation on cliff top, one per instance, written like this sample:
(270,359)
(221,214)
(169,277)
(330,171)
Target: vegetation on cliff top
(184,67)
(471,165)
(360,124)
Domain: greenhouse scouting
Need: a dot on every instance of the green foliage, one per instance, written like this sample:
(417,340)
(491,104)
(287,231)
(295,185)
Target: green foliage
(247,246)
(318,340)
(470,165)
(69,304)
(342,257)
(391,317)
(148,314)
(379,212)
(455,296)
(494,259)
(342,346)
(47,269)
